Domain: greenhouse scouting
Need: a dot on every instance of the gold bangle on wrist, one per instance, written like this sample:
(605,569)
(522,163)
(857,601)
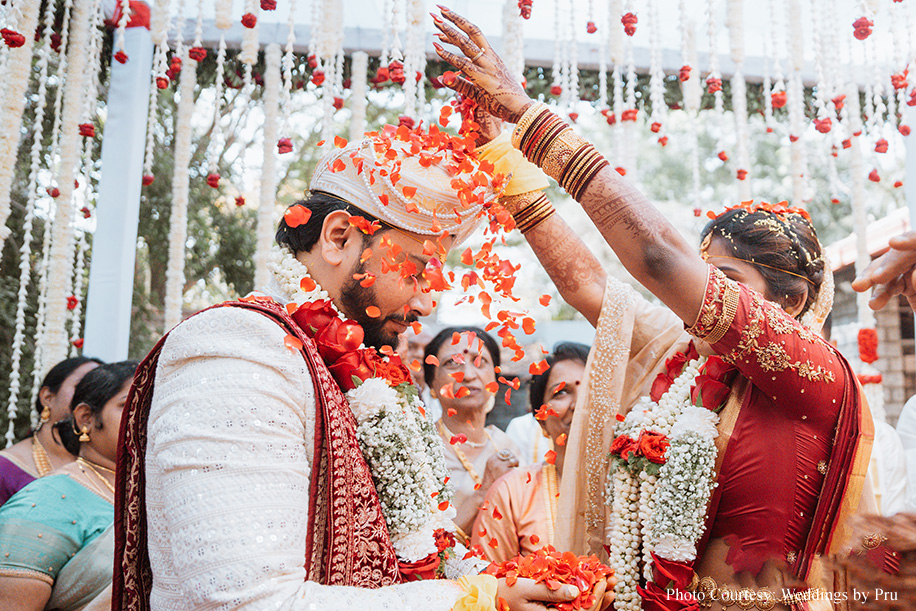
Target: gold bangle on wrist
(514,204)
(534,111)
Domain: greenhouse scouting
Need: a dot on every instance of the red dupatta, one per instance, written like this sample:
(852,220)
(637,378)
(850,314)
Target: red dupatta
(340,549)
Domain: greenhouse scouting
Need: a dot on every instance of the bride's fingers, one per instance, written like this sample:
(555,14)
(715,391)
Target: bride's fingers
(462,63)
(466,88)
(466,26)
(453,36)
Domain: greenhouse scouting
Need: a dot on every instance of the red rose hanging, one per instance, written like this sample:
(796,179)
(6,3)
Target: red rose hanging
(684,73)
(904,130)
(12,38)
(722,155)
(87,130)
(868,345)
(881,146)
(778,99)
(338,103)
(249,20)
(72,302)
(823,125)
(713,84)
(162,82)
(86,212)
(590,27)
(268,5)
(862,28)
(239,201)
(899,80)
(54,192)
(213,180)
(663,140)
(198,54)
(147,179)
(396,72)
(741,174)
(121,57)
(629,22)
(317,78)
(524,7)
(284,145)
(839,102)
(898,184)
(629,115)
(874,176)
(77,343)
(655,127)
(556,90)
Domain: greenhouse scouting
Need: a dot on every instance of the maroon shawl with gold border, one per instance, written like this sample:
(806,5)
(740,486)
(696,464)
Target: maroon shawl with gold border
(342,548)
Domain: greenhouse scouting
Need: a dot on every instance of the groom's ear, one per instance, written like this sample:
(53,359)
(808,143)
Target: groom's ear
(339,239)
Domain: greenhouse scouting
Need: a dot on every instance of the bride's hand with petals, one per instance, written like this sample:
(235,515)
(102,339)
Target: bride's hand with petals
(486,78)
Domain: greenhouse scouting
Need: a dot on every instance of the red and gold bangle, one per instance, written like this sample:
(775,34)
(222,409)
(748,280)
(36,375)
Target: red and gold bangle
(535,111)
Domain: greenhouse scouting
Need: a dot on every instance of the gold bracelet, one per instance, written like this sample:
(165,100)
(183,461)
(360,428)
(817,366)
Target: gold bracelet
(561,150)
(533,223)
(534,111)
(543,133)
(516,203)
(522,216)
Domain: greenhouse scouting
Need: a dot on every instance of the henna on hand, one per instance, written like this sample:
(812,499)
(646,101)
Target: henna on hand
(488,80)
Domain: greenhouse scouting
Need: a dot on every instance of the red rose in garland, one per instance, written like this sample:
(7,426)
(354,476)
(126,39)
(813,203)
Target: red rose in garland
(354,367)
(779,99)
(668,575)
(653,446)
(314,316)
(425,568)
(862,28)
(338,338)
(12,38)
(623,446)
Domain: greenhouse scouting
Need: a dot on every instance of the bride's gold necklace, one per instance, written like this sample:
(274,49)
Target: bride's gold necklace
(94,468)
(41,458)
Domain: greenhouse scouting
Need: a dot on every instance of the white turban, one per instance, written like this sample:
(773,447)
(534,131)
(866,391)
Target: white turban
(414,180)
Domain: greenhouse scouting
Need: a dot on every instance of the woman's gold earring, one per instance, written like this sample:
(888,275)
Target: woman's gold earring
(84,438)
(45,413)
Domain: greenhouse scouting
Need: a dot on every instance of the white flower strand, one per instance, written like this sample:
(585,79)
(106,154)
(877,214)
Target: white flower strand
(615,36)
(217,140)
(122,25)
(288,61)
(401,446)
(60,262)
(624,540)
(415,58)
(359,66)
(267,198)
(41,317)
(25,250)
(735,25)
(178,221)
(513,39)
(795,94)
(250,47)
(61,79)
(15,86)
(77,313)
(159,30)
(656,71)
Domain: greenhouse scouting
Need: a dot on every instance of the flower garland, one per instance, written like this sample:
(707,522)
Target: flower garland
(359,66)
(656,76)
(25,250)
(513,40)
(18,70)
(61,260)
(250,47)
(178,221)
(662,471)
(77,311)
(288,62)
(415,58)
(735,25)
(267,198)
(399,442)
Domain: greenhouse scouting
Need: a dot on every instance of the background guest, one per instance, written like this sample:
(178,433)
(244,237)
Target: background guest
(42,452)
(521,507)
(56,534)
(463,378)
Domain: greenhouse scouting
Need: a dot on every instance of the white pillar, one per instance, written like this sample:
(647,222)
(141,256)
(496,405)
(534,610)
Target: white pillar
(114,245)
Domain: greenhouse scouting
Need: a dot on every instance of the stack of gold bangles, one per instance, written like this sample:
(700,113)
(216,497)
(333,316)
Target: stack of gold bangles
(552,145)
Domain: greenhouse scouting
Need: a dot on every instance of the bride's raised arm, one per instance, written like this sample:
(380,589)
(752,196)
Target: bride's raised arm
(649,247)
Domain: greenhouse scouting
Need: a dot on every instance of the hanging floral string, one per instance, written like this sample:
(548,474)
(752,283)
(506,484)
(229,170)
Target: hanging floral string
(267,199)
(615,47)
(556,87)
(61,79)
(513,40)
(824,96)
(124,17)
(570,69)
(250,46)
(735,24)
(629,115)
(217,141)
(415,58)
(359,66)
(656,76)
(178,220)
(159,26)
(61,261)
(690,88)
(714,77)
(25,249)
(76,312)
(329,53)
(602,71)
(285,144)
(16,83)
(796,104)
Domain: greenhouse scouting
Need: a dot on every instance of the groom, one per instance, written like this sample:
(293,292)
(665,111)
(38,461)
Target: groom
(241,482)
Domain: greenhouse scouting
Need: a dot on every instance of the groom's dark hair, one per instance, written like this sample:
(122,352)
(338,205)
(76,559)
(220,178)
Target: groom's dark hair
(321,204)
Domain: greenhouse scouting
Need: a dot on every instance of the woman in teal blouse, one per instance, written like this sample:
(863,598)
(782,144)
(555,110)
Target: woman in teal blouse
(56,534)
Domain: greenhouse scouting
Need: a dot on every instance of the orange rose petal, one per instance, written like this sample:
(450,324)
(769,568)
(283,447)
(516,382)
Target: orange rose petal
(340,142)
(528,326)
(368,281)
(338,166)
(432,360)
(458,375)
(307,284)
(417,326)
(544,300)
(292,342)
(492,387)
(534,539)
(561,440)
(476,486)
(493,542)
(452,411)
(550,457)
(496,514)
(297,215)
(373,312)
(416,365)
(443,505)
(538,368)
(321,143)
(291,307)
(409,191)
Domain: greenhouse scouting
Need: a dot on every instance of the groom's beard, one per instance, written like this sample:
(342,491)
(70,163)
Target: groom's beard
(356,299)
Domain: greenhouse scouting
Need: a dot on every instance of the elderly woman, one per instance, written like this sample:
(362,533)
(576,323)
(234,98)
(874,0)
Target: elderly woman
(737,448)
(462,376)
(56,534)
(41,453)
(520,514)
